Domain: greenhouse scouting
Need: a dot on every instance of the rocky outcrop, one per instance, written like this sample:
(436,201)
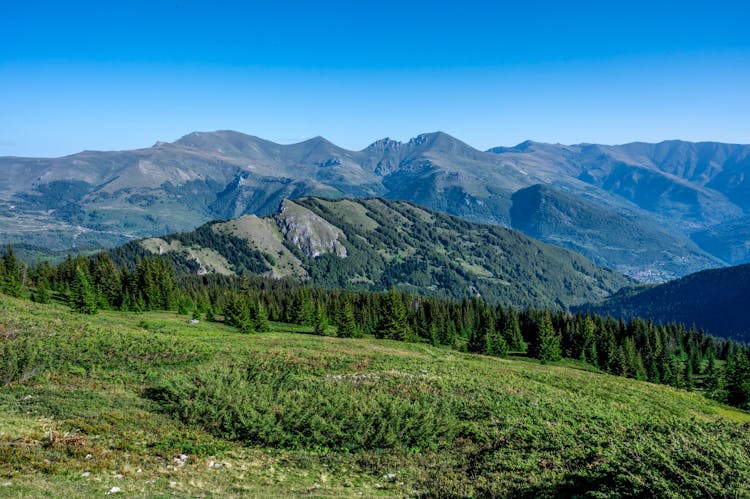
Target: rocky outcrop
(309,232)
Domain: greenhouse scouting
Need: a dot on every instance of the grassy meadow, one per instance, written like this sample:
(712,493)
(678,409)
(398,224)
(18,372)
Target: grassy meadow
(149,405)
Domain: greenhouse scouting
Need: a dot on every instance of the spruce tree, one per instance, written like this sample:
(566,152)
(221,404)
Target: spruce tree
(82,295)
(260,318)
(303,312)
(496,344)
(321,321)
(479,333)
(12,276)
(345,322)
(549,341)
(41,293)
(393,323)
(512,334)
(243,319)
(433,335)
(107,279)
(737,377)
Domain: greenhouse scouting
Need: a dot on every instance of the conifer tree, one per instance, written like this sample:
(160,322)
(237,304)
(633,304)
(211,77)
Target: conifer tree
(42,293)
(496,344)
(393,323)
(82,295)
(712,374)
(210,314)
(12,275)
(303,312)
(107,279)
(434,335)
(321,321)
(512,334)
(737,378)
(345,322)
(480,332)
(548,349)
(260,318)
(242,317)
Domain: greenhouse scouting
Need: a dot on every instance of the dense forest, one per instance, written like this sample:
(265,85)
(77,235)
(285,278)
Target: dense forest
(670,354)
(714,298)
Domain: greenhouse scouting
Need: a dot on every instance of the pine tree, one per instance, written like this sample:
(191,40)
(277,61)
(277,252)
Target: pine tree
(394,322)
(321,321)
(737,377)
(512,334)
(260,318)
(107,279)
(345,322)
(303,312)
(41,293)
(549,341)
(82,295)
(12,275)
(243,318)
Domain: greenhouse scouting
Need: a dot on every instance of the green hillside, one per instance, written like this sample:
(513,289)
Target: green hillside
(375,244)
(714,300)
(150,405)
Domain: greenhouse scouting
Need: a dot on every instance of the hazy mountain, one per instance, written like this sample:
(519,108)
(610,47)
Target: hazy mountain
(374,244)
(729,241)
(655,193)
(640,247)
(714,300)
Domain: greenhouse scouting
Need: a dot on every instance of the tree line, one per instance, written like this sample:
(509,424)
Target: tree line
(671,354)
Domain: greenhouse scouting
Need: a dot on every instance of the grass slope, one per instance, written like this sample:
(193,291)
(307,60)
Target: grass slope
(157,407)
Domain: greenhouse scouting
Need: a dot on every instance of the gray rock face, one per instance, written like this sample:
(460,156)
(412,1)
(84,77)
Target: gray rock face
(309,232)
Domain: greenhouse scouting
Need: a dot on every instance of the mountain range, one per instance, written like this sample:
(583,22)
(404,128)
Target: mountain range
(375,244)
(651,211)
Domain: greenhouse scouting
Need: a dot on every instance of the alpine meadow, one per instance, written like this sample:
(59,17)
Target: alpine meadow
(347,249)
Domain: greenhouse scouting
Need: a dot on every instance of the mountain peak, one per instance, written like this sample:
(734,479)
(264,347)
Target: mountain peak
(384,145)
(431,138)
(317,140)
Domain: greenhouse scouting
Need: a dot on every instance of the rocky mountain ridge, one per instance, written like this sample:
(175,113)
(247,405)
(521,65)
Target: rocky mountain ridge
(375,244)
(677,193)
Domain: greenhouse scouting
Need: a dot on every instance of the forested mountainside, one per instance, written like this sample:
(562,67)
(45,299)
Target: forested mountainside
(714,300)
(375,244)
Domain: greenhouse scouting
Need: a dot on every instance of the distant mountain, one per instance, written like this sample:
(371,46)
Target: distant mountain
(677,194)
(642,248)
(729,241)
(714,300)
(373,244)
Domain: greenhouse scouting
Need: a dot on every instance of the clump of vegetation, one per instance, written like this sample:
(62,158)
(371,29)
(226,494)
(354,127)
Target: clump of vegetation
(200,409)
(266,403)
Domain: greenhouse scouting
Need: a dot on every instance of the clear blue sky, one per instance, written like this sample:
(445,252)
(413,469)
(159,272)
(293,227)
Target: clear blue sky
(124,74)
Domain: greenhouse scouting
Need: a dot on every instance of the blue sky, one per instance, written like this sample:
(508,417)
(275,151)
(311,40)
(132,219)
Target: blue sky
(124,74)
